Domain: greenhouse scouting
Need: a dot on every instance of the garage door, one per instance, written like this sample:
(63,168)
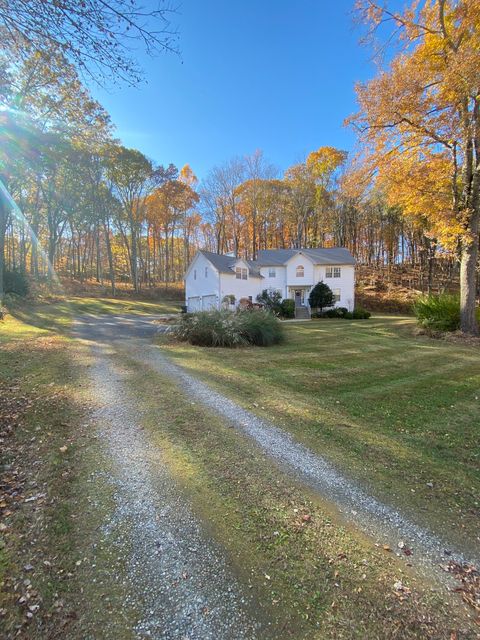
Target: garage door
(209,302)
(194,304)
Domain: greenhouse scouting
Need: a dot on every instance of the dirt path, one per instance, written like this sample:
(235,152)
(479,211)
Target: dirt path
(178,579)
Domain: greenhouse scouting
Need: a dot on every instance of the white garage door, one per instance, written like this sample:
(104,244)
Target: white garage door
(209,302)
(194,304)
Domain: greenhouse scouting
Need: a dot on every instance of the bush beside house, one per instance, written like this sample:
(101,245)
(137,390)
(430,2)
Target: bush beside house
(321,297)
(271,300)
(288,308)
(345,314)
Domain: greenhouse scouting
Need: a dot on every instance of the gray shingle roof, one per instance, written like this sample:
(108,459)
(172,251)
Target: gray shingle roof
(334,255)
(225,264)
(274,257)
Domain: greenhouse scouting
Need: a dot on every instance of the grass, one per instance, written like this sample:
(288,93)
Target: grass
(309,573)
(48,455)
(399,413)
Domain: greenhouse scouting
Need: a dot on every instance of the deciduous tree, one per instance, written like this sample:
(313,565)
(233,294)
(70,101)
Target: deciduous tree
(419,119)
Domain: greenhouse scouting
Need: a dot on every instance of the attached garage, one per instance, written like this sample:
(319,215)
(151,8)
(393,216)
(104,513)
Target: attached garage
(194,303)
(209,302)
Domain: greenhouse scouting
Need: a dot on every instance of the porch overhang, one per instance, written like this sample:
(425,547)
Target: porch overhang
(292,287)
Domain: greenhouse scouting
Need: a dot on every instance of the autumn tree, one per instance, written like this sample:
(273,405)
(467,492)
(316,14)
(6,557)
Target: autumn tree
(190,218)
(419,121)
(220,203)
(46,111)
(167,209)
(133,178)
(257,171)
(302,190)
(323,165)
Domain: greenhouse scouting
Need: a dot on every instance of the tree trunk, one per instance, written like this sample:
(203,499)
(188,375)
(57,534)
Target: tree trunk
(133,254)
(111,266)
(4,210)
(468,280)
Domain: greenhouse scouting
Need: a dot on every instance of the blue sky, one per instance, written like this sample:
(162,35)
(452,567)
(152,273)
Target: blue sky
(270,74)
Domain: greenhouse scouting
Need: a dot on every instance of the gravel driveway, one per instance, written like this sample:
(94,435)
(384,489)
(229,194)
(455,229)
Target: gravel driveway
(178,578)
(379,520)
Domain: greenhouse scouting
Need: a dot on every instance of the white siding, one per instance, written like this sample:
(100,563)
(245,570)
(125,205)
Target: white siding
(201,285)
(229,284)
(308,278)
(278,282)
(194,303)
(346,283)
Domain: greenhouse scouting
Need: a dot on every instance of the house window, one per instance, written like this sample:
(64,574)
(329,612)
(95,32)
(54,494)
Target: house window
(238,273)
(206,272)
(244,274)
(336,295)
(271,272)
(333,272)
(300,272)
(194,274)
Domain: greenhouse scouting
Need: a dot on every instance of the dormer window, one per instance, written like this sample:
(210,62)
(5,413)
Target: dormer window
(241,273)
(271,272)
(300,271)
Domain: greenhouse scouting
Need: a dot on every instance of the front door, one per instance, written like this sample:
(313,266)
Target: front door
(298,297)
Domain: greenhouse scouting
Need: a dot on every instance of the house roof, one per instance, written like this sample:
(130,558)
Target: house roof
(274,257)
(334,255)
(226,264)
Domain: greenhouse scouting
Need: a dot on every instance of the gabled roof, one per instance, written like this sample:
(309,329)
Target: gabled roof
(334,255)
(226,264)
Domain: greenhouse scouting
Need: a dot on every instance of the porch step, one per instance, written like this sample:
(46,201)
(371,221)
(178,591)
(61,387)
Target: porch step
(302,313)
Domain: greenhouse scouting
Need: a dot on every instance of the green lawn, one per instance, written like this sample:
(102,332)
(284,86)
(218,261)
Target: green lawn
(398,412)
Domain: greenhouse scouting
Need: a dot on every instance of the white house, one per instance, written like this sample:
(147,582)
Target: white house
(293,272)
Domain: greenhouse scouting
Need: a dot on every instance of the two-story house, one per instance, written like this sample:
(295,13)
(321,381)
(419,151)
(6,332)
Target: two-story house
(211,277)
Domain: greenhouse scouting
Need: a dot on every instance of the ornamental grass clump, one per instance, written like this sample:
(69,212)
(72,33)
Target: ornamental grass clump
(260,327)
(438,313)
(228,329)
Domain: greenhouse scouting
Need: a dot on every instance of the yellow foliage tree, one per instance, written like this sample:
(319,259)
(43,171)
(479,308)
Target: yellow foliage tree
(419,123)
